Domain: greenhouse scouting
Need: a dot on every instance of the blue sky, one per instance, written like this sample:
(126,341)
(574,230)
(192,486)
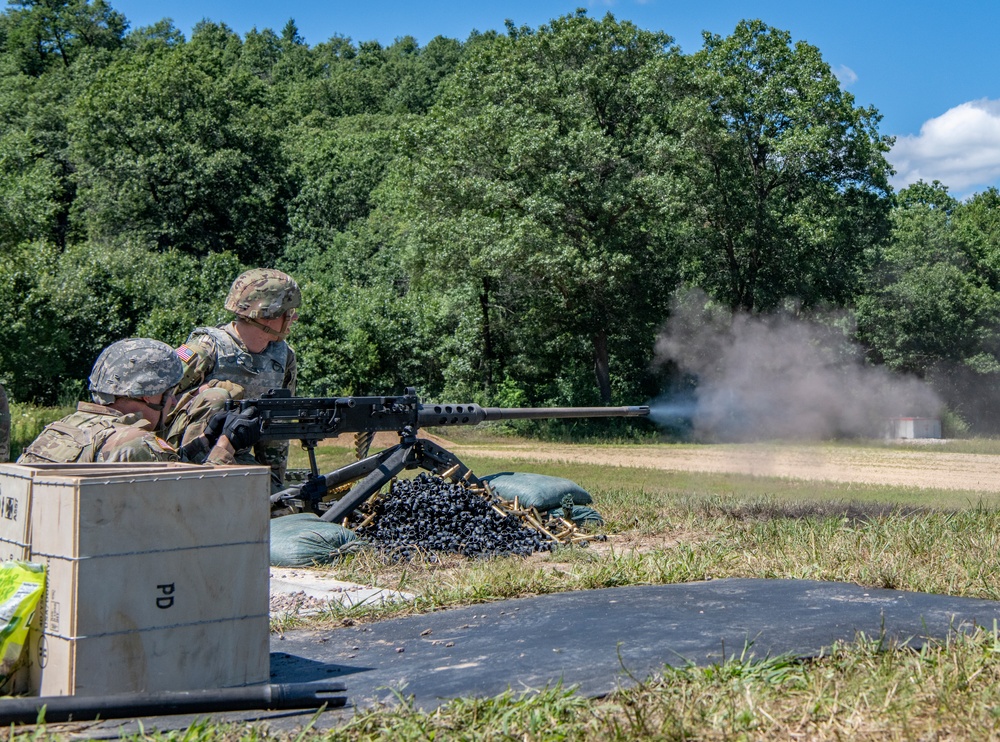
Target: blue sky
(931,69)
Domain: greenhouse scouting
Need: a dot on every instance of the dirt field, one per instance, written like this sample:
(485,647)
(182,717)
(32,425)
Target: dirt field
(922,467)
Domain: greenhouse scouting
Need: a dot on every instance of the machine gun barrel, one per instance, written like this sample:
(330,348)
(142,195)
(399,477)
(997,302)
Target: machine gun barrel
(472,414)
(540,413)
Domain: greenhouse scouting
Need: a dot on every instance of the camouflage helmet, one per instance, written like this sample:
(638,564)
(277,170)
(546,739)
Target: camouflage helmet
(136,367)
(263,293)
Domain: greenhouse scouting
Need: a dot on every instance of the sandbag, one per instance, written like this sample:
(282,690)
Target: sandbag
(581,515)
(304,539)
(537,490)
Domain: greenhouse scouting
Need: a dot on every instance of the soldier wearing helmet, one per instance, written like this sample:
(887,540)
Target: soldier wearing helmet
(251,350)
(132,387)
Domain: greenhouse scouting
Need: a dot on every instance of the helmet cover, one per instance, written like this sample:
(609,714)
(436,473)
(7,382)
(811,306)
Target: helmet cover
(263,293)
(136,367)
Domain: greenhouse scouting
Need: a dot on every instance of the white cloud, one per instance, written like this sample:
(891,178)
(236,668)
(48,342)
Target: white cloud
(845,75)
(961,148)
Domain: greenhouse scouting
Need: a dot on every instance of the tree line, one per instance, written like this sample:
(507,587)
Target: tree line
(504,219)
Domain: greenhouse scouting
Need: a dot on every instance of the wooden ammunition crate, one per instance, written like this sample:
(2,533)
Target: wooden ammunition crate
(219,654)
(16,484)
(157,575)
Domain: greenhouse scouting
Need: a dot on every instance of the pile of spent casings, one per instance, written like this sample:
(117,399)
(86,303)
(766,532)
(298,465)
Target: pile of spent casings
(428,514)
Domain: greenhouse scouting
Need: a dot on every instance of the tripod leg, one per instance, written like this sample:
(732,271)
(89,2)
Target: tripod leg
(390,467)
(314,489)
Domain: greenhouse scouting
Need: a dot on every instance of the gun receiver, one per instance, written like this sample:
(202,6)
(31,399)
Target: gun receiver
(312,419)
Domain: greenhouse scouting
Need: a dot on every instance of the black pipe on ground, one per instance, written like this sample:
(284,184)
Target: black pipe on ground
(271,697)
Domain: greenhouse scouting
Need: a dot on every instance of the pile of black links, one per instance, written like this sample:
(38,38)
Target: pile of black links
(427,514)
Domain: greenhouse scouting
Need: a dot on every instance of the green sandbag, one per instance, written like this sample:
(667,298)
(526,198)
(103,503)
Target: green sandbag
(303,539)
(537,490)
(581,515)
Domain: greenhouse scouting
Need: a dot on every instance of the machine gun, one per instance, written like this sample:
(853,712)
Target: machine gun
(311,419)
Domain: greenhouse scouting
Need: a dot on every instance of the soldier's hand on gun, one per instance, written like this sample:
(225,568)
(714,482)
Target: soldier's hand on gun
(214,427)
(241,429)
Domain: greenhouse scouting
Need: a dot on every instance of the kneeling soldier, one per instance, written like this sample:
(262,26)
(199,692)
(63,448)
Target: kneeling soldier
(132,386)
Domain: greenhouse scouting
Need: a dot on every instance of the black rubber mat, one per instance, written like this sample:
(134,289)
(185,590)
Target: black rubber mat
(595,640)
(599,638)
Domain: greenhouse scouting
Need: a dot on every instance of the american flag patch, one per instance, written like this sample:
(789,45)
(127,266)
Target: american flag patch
(184,353)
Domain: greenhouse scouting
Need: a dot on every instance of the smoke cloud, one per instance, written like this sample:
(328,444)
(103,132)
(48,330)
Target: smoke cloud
(778,377)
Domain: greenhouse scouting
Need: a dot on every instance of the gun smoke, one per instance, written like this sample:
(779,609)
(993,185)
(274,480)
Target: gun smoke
(777,377)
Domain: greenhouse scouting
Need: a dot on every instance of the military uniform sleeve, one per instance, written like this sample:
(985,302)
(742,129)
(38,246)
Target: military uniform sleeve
(198,356)
(194,409)
(219,456)
(135,444)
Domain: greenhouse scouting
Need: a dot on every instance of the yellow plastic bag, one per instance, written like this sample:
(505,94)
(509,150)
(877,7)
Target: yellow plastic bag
(21,588)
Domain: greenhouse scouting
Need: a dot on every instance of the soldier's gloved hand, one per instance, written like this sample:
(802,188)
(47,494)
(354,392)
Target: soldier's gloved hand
(215,425)
(242,428)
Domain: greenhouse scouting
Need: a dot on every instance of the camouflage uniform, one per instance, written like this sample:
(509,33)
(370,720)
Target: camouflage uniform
(4,426)
(194,409)
(218,353)
(97,433)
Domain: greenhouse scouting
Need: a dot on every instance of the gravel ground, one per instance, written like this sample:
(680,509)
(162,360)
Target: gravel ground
(296,604)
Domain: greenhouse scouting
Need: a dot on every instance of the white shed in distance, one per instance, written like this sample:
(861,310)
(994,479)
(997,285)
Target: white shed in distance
(913,427)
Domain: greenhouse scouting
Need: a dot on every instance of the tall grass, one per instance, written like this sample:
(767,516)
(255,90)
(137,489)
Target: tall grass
(27,421)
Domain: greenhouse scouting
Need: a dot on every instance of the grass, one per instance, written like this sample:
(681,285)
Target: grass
(27,421)
(680,540)
(644,482)
(990,446)
(668,527)
(865,690)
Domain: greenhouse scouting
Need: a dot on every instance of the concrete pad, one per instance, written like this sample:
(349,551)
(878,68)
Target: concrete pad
(294,581)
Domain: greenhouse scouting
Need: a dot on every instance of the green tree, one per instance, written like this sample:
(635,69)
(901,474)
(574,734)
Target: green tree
(277,59)
(64,306)
(163,33)
(166,152)
(788,185)
(334,165)
(929,301)
(30,190)
(532,191)
(49,50)
(344,79)
(33,361)
(930,309)
(360,331)
(977,224)
(37,35)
